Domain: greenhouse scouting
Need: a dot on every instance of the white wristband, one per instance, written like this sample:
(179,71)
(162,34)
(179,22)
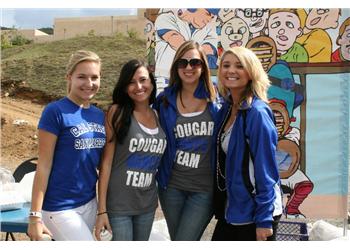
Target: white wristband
(35,214)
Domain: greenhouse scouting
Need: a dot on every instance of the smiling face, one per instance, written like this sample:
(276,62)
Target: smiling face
(190,75)
(140,87)
(234,33)
(232,74)
(84,82)
(284,28)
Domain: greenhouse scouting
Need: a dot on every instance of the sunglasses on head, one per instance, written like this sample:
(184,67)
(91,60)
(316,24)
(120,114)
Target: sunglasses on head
(195,63)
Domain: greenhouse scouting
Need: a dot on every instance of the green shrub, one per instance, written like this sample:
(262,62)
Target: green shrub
(132,33)
(5,42)
(19,40)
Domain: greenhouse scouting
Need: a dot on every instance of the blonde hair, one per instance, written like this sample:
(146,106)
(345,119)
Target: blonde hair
(205,76)
(78,57)
(259,83)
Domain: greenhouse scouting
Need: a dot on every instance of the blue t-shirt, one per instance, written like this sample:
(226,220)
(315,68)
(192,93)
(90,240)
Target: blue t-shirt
(81,137)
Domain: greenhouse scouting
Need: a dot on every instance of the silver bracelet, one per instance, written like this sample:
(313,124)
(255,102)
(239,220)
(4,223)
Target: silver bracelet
(35,214)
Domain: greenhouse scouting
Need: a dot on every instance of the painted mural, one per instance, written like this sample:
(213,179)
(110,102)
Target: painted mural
(306,53)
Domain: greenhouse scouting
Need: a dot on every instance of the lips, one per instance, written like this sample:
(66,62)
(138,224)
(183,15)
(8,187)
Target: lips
(232,78)
(283,38)
(257,24)
(236,43)
(315,21)
(140,93)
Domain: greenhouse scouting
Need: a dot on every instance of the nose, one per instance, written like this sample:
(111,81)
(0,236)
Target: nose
(188,66)
(90,81)
(138,85)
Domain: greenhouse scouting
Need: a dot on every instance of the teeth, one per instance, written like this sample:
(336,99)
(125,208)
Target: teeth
(232,78)
(139,93)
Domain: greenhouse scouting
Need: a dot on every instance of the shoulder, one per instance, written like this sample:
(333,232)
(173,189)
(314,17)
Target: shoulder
(97,110)
(55,106)
(112,109)
(259,110)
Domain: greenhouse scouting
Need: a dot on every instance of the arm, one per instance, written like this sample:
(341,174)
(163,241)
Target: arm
(263,140)
(174,38)
(47,142)
(104,174)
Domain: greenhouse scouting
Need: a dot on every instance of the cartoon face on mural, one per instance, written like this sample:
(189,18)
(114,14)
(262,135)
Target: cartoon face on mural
(256,19)
(234,32)
(322,18)
(284,28)
(343,40)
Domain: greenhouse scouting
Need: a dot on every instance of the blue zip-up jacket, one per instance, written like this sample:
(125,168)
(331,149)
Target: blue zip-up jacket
(167,117)
(264,202)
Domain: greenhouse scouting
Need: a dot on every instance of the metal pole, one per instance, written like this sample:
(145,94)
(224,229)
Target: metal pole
(345,228)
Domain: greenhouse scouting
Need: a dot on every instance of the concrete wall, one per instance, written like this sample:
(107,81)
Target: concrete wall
(102,26)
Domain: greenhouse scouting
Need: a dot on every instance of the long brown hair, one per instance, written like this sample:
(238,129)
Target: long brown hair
(205,76)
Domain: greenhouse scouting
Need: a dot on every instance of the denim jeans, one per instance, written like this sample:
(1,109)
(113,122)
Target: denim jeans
(131,227)
(187,213)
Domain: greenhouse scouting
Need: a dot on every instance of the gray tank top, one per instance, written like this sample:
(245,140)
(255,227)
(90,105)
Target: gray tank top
(132,189)
(192,171)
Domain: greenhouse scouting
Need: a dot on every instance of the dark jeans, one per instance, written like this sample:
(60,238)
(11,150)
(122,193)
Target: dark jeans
(228,232)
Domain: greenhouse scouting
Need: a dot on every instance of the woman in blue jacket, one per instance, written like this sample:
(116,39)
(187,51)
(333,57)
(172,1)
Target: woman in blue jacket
(247,196)
(186,112)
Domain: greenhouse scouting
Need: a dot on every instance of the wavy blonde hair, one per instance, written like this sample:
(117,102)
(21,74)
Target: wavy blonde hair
(78,57)
(259,83)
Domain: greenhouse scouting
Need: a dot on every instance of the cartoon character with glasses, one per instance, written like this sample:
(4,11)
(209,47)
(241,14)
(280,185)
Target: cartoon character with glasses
(256,19)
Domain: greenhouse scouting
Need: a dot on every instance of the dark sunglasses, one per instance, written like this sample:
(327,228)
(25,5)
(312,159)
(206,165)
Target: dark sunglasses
(195,63)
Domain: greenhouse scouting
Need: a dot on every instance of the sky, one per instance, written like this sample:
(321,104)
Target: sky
(35,18)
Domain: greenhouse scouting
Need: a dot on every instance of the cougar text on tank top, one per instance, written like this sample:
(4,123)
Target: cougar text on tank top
(132,188)
(192,171)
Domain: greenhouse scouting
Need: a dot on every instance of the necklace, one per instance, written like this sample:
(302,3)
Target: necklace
(220,176)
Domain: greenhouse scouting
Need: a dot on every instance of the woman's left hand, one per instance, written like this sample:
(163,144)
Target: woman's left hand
(263,233)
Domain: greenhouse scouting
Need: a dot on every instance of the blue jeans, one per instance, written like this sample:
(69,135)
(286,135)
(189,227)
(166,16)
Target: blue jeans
(131,227)
(187,213)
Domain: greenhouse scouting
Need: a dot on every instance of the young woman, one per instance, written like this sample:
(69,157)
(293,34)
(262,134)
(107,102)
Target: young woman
(247,196)
(185,176)
(71,138)
(135,143)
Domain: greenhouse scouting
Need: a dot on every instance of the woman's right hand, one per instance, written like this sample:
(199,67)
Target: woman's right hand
(102,222)
(36,229)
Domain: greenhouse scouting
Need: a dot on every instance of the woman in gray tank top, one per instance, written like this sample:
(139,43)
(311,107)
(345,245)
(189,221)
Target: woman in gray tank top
(185,177)
(127,194)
